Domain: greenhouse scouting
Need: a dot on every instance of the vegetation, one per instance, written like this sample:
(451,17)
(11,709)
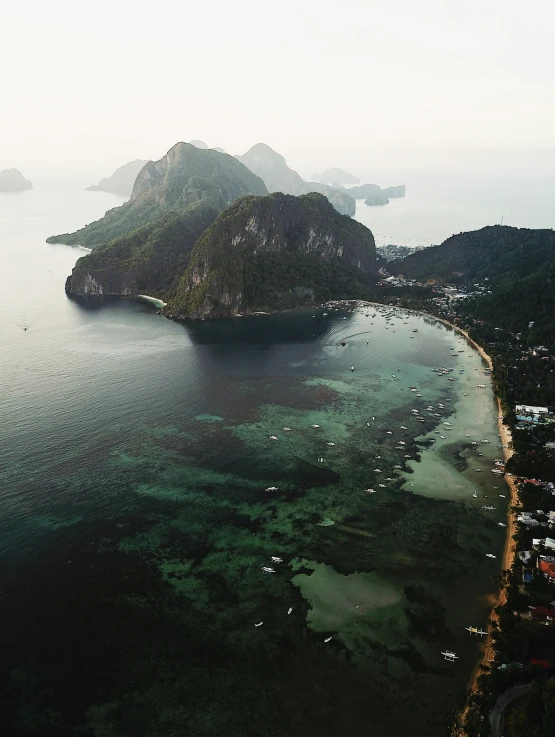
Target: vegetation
(145,243)
(508,275)
(275,251)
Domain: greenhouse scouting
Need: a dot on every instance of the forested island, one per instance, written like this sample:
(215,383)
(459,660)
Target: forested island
(261,253)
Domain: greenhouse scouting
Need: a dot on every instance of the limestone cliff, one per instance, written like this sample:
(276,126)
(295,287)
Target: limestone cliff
(275,252)
(144,245)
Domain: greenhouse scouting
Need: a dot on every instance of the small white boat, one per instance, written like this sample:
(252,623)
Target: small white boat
(315,426)
(442,437)
(489,555)
(370,491)
(377,470)
(502,524)
(273,437)
(320,460)
(352,368)
(475,495)
(259,624)
(271,488)
(502,496)
(286,429)
(389,432)
(327,639)
(290,610)
(382,486)
(267,569)
(403,427)
(330,444)
(275,559)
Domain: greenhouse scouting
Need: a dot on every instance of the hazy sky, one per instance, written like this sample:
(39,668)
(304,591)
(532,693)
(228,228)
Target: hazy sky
(361,84)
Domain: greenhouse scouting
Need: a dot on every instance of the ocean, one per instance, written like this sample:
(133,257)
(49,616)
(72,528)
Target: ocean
(437,207)
(142,497)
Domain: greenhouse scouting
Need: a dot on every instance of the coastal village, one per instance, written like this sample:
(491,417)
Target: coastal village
(519,646)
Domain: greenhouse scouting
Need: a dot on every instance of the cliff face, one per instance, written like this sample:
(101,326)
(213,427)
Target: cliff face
(274,252)
(12,180)
(144,245)
(121,181)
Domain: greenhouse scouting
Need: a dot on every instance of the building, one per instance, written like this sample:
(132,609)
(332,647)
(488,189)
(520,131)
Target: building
(526,409)
(548,570)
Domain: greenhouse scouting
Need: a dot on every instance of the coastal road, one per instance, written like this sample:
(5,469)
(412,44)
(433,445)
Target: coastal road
(501,704)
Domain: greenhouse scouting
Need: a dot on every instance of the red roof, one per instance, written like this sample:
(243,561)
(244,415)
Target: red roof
(542,612)
(546,567)
(539,661)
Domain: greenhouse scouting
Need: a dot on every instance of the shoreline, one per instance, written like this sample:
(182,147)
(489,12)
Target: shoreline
(509,550)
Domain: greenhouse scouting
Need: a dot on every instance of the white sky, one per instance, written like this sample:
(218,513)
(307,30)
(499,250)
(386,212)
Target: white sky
(362,84)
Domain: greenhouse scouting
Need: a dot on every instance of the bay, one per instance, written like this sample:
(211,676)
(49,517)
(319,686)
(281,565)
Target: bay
(135,518)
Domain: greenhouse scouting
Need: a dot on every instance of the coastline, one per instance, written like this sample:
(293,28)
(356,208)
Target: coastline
(509,551)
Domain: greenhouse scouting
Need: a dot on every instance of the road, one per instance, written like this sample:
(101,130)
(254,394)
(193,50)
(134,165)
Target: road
(501,704)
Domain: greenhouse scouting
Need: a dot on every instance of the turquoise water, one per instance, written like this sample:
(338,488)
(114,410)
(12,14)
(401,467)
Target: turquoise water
(136,515)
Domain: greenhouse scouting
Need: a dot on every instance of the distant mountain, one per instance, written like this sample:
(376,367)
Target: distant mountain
(199,144)
(272,168)
(121,181)
(274,252)
(393,192)
(12,180)
(338,175)
(145,244)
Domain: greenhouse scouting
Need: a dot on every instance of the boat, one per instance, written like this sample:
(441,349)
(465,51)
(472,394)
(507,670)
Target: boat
(370,491)
(271,488)
(259,624)
(273,437)
(475,495)
(275,559)
(327,639)
(502,524)
(490,555)
(352,368)
(290,610)
(267,569)
(315,426)
(286,429)
(330,444)
(449,656)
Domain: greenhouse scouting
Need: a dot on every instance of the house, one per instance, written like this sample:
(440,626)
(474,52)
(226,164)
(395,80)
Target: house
(547,542)
(526,409)
(542,612)
(548,570)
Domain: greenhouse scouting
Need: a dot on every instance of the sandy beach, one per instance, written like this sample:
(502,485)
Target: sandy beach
(510,545)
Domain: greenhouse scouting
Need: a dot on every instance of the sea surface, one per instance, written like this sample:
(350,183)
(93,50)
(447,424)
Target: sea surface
(436,207)
(137,511)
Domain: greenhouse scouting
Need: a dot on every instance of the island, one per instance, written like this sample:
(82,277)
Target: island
(12,180)
(121,181)
(144,245)
(272,168)
(275,252)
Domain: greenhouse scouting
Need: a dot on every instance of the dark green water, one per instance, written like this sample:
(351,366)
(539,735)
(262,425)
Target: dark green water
(135,523)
